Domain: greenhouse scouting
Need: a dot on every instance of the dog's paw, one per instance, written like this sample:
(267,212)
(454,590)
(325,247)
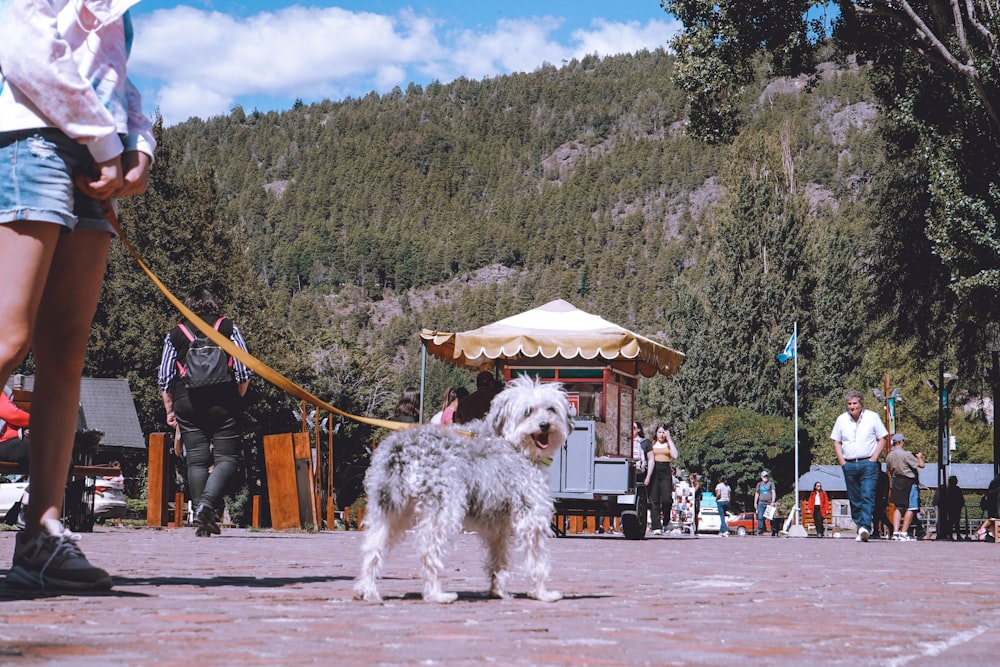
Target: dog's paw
(499,594)
(367,595)
(441,597)
(544,595)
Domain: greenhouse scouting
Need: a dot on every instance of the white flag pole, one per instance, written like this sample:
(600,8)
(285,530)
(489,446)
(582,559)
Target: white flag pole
(797,530)
(795,337)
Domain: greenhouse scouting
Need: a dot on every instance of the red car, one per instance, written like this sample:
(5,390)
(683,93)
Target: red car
(746,522)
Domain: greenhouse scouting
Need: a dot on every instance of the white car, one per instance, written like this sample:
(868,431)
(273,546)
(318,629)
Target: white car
(11,489)
(109,498)
(708,520)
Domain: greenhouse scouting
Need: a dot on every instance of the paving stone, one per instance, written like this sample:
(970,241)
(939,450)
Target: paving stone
(271,598)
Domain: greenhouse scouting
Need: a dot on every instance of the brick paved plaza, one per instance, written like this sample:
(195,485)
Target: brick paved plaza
(269,598)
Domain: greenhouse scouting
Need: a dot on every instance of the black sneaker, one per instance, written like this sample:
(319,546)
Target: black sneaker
(50,560)
(204,518)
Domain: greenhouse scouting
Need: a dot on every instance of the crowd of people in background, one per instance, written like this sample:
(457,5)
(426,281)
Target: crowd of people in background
(882,503)
(675,497)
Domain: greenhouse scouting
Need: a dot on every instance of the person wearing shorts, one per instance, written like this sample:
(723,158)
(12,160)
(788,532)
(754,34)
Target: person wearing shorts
(902,465)
(914,507)
(72,139)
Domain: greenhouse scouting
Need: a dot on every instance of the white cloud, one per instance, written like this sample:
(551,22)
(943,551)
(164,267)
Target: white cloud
(191,62)
(516,45)
(610,39)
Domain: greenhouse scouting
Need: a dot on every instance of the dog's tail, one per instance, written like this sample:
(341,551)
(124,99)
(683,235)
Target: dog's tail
(386,483)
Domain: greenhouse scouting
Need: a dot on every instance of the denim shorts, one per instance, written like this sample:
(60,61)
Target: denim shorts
(36,180)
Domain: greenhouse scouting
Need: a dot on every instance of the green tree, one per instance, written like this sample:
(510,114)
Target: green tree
(739,444)
(934,69)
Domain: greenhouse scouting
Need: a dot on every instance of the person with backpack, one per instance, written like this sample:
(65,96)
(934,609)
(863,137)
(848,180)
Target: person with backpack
(203,388)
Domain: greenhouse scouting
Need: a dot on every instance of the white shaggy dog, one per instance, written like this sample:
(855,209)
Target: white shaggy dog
(439,479)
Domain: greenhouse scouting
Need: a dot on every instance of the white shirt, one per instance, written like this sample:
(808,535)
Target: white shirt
(860,438)
(64,67)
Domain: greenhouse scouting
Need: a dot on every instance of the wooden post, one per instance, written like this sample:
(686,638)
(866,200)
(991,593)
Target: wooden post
(179,510)
(290,480)
(331,506)
(305,480)
(279,459)
(255,518)
(316,478)
(158,487)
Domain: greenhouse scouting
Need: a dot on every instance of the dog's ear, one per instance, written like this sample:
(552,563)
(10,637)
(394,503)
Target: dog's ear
(496,418)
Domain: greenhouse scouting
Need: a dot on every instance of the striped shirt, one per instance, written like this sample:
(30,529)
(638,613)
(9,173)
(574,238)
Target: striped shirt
(168,362)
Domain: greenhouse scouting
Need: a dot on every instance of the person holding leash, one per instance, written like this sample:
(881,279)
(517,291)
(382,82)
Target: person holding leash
(72,139)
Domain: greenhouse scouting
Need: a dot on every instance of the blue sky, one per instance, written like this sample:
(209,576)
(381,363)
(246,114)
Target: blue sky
(203,58)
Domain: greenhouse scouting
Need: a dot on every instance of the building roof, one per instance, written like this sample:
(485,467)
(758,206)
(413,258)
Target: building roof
(106,405)
(971,477)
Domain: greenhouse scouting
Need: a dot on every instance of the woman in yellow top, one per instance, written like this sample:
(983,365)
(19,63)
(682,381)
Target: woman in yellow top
(660,478)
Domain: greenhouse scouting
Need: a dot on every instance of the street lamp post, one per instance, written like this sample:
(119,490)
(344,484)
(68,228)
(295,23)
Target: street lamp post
(995,388)
(943,387)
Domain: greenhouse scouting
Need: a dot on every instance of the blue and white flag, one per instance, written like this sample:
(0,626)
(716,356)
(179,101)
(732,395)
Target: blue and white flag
(789,352)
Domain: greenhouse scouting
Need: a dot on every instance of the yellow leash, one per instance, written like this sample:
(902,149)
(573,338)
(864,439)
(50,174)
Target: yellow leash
(233,350)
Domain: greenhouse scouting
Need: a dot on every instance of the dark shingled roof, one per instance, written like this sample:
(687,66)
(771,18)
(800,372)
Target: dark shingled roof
(106,405)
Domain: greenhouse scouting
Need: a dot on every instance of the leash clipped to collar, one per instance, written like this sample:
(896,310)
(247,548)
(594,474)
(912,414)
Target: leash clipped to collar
(247,359)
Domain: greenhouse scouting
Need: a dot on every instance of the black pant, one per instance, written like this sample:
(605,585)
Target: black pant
(661,495)
(818,519)
(211,435)
(15,450)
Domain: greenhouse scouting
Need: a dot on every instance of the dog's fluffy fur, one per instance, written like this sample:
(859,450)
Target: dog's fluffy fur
(438,479)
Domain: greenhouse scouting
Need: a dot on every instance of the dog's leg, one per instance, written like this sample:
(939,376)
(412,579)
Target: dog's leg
(379,536)
(536,552)
(433,530)
(497,560)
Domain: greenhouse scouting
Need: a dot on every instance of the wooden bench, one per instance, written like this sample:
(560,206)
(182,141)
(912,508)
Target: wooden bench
(78,500)
(807,516)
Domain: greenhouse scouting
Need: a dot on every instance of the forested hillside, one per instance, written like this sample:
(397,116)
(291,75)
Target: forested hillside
(334,232)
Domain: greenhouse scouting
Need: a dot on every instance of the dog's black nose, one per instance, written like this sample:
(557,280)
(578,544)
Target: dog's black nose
(544,426)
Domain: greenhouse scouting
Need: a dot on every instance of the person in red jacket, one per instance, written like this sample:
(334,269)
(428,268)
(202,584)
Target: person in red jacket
(819,503)
(13,432)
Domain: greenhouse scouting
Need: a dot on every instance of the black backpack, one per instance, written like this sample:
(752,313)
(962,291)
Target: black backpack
(205,364)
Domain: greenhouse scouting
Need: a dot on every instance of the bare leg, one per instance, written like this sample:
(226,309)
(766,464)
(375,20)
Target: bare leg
(26,250)
(62,328)
(907,520)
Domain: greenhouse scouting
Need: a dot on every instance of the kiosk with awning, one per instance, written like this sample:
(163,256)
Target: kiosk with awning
(599,364)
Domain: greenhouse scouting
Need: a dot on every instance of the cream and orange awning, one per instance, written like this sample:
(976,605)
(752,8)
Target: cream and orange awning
(557,331)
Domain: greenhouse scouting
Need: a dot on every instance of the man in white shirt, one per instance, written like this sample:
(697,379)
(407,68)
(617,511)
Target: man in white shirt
(859,438)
